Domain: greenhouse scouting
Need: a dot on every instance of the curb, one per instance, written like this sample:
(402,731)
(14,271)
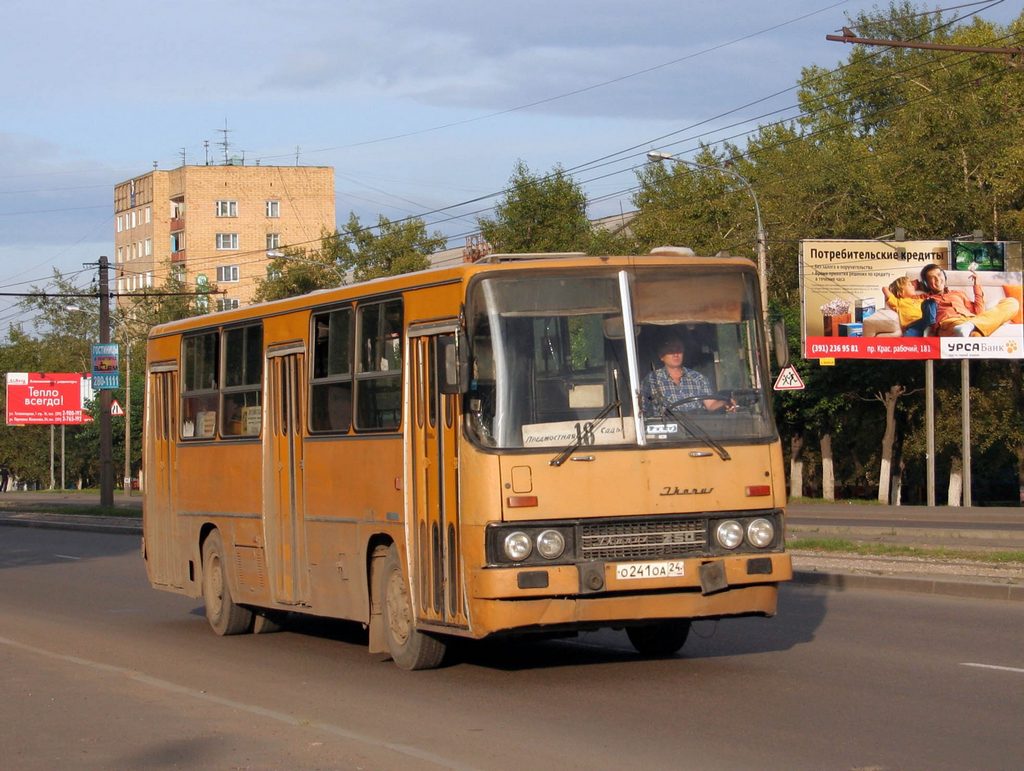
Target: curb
(86,524)
(965,589)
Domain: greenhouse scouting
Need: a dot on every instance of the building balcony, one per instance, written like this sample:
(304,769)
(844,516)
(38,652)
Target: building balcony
(178,256)
(177,223)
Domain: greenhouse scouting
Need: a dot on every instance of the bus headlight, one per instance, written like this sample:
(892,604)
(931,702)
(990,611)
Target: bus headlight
(729,534)
(518,546)
(761,532)
(550,544)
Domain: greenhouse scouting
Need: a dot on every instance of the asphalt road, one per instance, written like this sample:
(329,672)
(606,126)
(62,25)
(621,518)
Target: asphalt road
(101,671)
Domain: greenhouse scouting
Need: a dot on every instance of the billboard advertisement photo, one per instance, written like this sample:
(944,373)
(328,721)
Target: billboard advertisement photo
(874,299)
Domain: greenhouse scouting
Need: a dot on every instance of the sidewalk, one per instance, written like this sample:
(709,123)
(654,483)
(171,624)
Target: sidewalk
(976,529)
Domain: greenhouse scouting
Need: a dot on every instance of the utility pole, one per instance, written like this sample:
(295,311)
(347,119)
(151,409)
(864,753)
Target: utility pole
(106,453)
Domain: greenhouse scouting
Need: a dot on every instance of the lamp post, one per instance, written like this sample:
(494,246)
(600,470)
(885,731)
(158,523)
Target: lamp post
(657,156)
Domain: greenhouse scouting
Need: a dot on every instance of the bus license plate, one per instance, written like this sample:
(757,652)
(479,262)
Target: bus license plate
(625,571)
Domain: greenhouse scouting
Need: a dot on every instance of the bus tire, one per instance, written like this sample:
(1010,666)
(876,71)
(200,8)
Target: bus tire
(408,647)
(659,639)
(224,615)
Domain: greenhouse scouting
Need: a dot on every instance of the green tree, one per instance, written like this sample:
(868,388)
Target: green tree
(300,271)
(397,247)
(539,214)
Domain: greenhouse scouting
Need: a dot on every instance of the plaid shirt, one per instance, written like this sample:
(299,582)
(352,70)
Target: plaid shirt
(659,391)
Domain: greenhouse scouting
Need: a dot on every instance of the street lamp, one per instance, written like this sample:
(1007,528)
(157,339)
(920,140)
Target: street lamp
(657,156)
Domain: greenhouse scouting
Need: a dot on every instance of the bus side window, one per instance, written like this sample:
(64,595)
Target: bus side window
(200,383)
(379,378)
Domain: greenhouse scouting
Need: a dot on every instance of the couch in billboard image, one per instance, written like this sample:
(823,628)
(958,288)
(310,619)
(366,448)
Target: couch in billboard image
(997,286)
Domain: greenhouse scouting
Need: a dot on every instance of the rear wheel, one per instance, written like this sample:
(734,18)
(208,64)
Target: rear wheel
(661,638)
(221,611)
(409,648)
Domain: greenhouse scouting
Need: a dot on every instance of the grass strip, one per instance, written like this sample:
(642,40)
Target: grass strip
(841,546)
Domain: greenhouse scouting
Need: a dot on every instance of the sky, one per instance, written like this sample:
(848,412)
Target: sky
(418,106)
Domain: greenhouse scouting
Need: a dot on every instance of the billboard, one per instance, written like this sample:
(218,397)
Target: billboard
(47,398)
(866,299)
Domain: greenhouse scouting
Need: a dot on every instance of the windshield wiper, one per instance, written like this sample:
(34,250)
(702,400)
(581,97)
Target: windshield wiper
(691,425)
(559,459)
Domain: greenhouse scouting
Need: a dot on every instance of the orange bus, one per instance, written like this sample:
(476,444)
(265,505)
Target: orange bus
(474,450)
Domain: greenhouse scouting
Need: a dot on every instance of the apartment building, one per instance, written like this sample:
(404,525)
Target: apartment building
(216,224)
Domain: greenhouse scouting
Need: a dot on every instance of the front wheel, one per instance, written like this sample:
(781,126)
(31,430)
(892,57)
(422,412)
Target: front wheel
(409,648)
(659,639)
(221,611)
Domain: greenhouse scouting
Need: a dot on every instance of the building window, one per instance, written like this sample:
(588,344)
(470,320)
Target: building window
(226,304)
(120,254)
(148,247)
(227,273)
(273,208)
(133,219)
(227,241)
(149,279)
(227,208)
(120,222)
(273,241)
(177,273)
(177,242)
(149,215)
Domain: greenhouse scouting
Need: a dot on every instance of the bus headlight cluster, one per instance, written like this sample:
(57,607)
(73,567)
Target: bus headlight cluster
(518,545)
(760,533)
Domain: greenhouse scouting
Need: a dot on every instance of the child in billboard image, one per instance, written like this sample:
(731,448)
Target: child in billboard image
(916,313)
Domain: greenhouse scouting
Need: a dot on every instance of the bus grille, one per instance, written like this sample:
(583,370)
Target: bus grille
(642,540)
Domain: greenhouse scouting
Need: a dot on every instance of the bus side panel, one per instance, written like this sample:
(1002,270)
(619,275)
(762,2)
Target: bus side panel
(353,490)
(218,483)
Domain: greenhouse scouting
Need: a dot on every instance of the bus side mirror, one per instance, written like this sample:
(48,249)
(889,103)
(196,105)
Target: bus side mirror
(454,369)
(781,343)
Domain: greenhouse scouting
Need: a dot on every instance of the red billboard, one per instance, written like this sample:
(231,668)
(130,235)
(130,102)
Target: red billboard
(46,398)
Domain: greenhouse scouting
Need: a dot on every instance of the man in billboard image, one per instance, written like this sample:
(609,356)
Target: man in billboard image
(957,315)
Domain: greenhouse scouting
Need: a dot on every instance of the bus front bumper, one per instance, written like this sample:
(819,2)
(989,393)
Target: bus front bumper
(595,594)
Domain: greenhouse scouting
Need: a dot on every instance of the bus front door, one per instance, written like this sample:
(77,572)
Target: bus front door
(283,523)
(435,428)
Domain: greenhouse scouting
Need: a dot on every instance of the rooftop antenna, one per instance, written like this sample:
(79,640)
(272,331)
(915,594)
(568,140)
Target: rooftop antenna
(206,149)
(182,154)
(224,143)
(297,148)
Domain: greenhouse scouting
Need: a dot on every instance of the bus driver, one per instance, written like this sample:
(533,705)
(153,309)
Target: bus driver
(673,382)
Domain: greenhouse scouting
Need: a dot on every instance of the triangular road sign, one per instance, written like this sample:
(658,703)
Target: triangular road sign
(789,380)
(115,408)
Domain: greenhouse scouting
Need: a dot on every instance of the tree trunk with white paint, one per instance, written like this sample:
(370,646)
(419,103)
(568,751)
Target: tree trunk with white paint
(828,479)
(956,482)
(796,467)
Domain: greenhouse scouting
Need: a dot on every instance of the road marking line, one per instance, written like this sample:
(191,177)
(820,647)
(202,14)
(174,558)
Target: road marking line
(253,709)
(66,557)
(1018,670)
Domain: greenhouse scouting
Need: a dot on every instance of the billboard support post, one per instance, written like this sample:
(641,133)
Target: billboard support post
(965,414)
(929,419)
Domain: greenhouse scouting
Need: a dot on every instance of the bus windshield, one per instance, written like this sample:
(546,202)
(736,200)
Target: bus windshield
(651,356)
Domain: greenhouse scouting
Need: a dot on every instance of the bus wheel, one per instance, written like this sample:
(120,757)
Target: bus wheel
(221,611)
(662,638)
(409,648)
